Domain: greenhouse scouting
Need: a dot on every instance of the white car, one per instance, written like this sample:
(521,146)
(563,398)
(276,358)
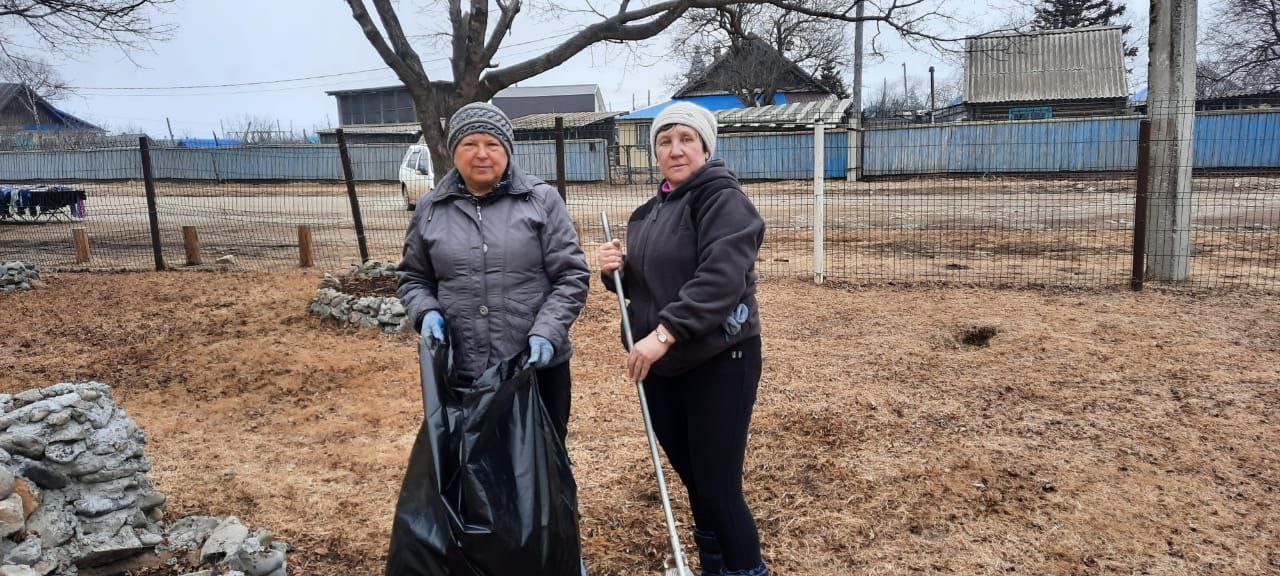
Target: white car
(416,175)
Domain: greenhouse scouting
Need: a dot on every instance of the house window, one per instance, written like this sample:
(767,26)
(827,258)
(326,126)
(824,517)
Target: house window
(1031,113)
(642,135)
(403,109)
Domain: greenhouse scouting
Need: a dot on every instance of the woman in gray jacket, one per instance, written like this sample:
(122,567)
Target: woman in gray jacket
(492,260)
(690,274)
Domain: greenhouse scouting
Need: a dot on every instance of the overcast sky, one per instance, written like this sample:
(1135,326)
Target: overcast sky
(219,42)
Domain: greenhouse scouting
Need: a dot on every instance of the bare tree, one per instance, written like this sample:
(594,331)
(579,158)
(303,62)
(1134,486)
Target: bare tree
(475,34)
(35,73)
(947,91)
(889,100)
(1244,44)
(810,42)
(1066,14)
(1210,82)
(251,129)
(68,27)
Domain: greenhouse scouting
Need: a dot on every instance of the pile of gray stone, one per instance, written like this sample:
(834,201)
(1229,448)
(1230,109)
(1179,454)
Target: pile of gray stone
(18,275)
(225,546)
(383,312)
(373,269)
(74,495)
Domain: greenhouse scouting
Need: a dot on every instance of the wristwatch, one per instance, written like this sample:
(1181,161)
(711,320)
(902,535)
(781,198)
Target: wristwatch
(662,334)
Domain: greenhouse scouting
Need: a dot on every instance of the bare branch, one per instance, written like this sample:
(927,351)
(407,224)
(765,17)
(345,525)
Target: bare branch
(474,45)
(411,73)
(68,27)
(72,25)
(509,11)
(1244,44)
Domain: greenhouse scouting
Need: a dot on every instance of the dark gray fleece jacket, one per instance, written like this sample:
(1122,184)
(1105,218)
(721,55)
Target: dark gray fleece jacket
(690,261)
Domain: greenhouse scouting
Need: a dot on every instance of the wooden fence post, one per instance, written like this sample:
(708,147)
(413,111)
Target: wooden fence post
(1138,271)
(306,256)
(153,219)
(191,241)
(348,174)
(560,177)
(80,239)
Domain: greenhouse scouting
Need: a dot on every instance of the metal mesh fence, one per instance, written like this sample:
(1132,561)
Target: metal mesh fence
(1029,203)
(246,204)
(1213,214)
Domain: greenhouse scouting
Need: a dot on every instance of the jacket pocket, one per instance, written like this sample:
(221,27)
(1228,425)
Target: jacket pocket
(519,309)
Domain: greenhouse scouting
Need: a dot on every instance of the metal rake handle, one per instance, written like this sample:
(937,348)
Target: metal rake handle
(676,551)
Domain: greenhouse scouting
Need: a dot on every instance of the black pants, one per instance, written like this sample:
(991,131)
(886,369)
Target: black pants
(701,419)
(553,387)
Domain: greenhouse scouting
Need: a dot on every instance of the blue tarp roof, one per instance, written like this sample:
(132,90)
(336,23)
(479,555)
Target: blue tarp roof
(208,142)
(712,103)
(56,128)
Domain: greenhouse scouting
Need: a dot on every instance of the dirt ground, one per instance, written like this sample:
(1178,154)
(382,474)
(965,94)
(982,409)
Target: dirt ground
(1095,433)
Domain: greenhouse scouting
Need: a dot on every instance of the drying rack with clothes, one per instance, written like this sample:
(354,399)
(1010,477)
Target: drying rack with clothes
(44,202)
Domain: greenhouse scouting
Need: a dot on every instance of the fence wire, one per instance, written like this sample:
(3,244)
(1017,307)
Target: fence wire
(1030,203)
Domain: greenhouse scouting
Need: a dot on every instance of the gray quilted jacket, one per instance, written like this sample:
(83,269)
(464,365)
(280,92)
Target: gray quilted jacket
(499,268)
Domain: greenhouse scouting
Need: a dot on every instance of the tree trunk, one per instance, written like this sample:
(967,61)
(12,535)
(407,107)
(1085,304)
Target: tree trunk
(436,103)
(437,142)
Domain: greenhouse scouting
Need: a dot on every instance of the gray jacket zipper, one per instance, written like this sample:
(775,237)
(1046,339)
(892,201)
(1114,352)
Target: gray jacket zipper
(484,276)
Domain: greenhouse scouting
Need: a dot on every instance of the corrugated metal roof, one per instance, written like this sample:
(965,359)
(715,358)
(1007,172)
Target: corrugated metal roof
(830,111)
(8,90)
(712,103)
(547,120)
(1080,63)
(395,88)
(539,91)
(401,128)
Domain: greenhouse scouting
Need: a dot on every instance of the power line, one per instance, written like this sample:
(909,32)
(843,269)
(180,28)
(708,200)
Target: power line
(117,94)
(299,79)
(231,85)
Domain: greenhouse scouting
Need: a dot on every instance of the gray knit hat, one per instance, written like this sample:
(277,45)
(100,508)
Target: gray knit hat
(480,117)
(692,115)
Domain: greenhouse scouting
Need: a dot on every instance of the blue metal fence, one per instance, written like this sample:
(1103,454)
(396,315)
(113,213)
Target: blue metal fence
(782,156)
(1237,139)
(585,161)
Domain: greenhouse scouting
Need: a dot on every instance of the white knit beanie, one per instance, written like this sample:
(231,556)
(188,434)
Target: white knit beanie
(692,115)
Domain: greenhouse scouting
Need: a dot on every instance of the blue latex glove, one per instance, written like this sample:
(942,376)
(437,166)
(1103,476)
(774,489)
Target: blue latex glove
(733,324)
(433,326)
(540,352)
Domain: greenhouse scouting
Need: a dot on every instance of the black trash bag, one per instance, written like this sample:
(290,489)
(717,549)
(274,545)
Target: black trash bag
(488,491)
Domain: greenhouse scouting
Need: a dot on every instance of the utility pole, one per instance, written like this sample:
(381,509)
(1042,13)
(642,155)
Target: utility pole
(857,63)
(166,123)
(853,161)
(931,104)
(904,83)
(1171,108)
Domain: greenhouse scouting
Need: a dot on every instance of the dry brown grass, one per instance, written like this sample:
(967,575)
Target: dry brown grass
(1095,433)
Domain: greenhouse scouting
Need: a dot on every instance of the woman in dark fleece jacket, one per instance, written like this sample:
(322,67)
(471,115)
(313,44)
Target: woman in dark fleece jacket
(689,273)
